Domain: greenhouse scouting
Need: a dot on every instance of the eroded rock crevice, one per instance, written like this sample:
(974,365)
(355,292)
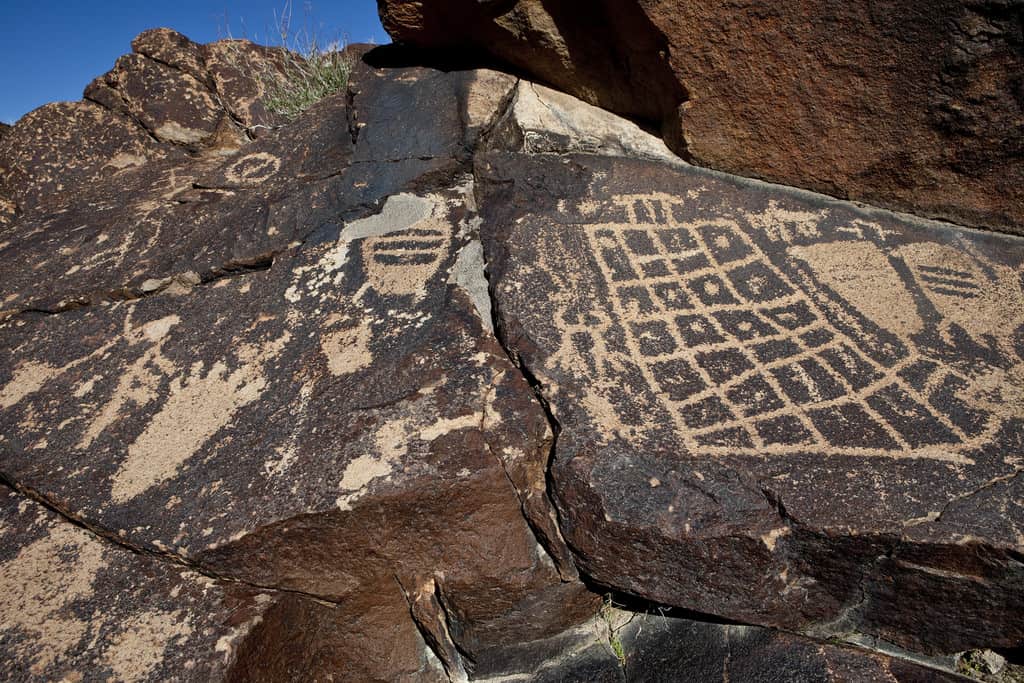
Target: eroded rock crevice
(496,353)
(180,284)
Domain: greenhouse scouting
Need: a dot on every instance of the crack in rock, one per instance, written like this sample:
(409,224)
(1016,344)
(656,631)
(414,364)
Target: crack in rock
(107,536)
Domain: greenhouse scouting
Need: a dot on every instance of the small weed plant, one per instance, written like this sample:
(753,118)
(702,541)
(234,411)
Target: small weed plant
(311,68)
(613,620)
(308,77)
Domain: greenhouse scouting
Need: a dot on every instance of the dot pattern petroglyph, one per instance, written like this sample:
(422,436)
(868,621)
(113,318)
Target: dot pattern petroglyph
(821,349)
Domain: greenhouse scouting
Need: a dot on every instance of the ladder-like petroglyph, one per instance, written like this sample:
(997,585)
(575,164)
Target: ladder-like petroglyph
(832,345)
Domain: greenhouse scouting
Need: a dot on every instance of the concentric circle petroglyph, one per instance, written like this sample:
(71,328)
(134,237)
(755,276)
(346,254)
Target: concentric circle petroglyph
(253,169)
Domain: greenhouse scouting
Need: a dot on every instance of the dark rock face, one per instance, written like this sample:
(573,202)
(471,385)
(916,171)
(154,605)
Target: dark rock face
(185,93)
(75,605)
(773,407)
(656,646)
(742,653)
(79,607)
(274,366)
(916,106)
(256,423)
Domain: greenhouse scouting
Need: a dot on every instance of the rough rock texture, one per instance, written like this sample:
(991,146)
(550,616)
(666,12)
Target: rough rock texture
(678,649)
(82,607)
(186,93)
(200,101)
(773,407)
(76,605)
(912,105)
(267,365)
(274,366)
(654,645)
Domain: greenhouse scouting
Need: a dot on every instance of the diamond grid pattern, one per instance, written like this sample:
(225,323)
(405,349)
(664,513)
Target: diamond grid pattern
(742,357)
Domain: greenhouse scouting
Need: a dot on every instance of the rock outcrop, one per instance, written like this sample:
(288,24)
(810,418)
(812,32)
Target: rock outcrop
(401,389)
(773,407)
(916,106)
(76,606)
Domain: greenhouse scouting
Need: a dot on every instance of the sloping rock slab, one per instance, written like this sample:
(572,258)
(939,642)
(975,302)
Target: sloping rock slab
(656,645)
(77,607)
(105,213)
(774,407)
(914,106)
(338,424)
(660,649)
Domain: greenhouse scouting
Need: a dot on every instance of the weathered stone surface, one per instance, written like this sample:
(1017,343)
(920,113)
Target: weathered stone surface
(172,49)
(116,224)
(237,72)
(44,166)
(676,649)
(301,391)
(655,645)
(368,637)
(77,607)
(80,607)
(271,359)
(541,120)
(915,106)
(344,403)
(170,104)
(774,407)
(231,65)
(184,93)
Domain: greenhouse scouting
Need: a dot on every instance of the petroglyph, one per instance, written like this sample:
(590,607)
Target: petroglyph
(198,406)
(861,273)
(139,646)
(253,169)
(413,229)
(401,263)
(826,345)
(139,383)
(40,583)
(391,443)
(29,377)
(348,349)
(984,299)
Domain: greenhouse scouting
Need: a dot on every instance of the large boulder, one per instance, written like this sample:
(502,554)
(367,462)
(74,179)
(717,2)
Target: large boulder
(912,105)
(772,406)
(259,374)
(275,366)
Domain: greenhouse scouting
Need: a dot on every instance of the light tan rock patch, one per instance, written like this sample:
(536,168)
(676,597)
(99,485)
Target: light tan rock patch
(199,405)
(38,587)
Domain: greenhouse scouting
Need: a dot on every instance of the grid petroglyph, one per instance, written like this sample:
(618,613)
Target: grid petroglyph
(820,345)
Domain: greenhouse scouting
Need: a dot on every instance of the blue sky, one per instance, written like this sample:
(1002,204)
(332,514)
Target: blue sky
(49,50)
